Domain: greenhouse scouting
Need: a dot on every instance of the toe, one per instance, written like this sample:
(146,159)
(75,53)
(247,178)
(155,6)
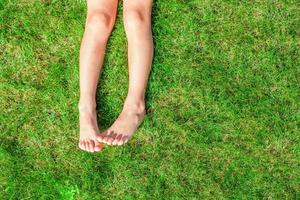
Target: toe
(124,139)
(87,145)
(98,146)
(103,137)
(110,138)
(109,132)
(84,145)
(117,139)
(92,146)
(100,138)
(80,144)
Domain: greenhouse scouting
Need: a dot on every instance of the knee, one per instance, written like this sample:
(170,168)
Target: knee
(135,19)
(98,21)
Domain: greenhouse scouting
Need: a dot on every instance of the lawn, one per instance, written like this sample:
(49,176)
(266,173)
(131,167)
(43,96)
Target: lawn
(223,103)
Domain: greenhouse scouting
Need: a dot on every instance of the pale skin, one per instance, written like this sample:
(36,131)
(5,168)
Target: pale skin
(101,15)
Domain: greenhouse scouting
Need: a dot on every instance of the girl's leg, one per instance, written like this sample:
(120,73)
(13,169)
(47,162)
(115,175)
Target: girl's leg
(137,21)
(101,15)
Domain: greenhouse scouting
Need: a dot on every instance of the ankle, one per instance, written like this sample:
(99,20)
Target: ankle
(87,106)
(134,106)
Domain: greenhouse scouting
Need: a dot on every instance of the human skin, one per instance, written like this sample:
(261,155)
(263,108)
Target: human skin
(101,15)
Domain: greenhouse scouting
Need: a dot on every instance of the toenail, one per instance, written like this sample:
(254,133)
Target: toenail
(97,148)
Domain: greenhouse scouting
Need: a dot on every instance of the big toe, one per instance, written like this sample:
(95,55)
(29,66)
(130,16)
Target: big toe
(98,146)
(103,137)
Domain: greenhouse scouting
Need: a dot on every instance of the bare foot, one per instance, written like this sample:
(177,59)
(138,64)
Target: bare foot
(125,125)
(89,130)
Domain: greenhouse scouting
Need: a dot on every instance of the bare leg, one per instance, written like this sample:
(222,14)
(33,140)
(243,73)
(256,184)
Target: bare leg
(101,15)
(137,20)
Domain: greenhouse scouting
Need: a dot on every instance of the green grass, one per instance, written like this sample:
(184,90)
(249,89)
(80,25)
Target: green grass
(223,104)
